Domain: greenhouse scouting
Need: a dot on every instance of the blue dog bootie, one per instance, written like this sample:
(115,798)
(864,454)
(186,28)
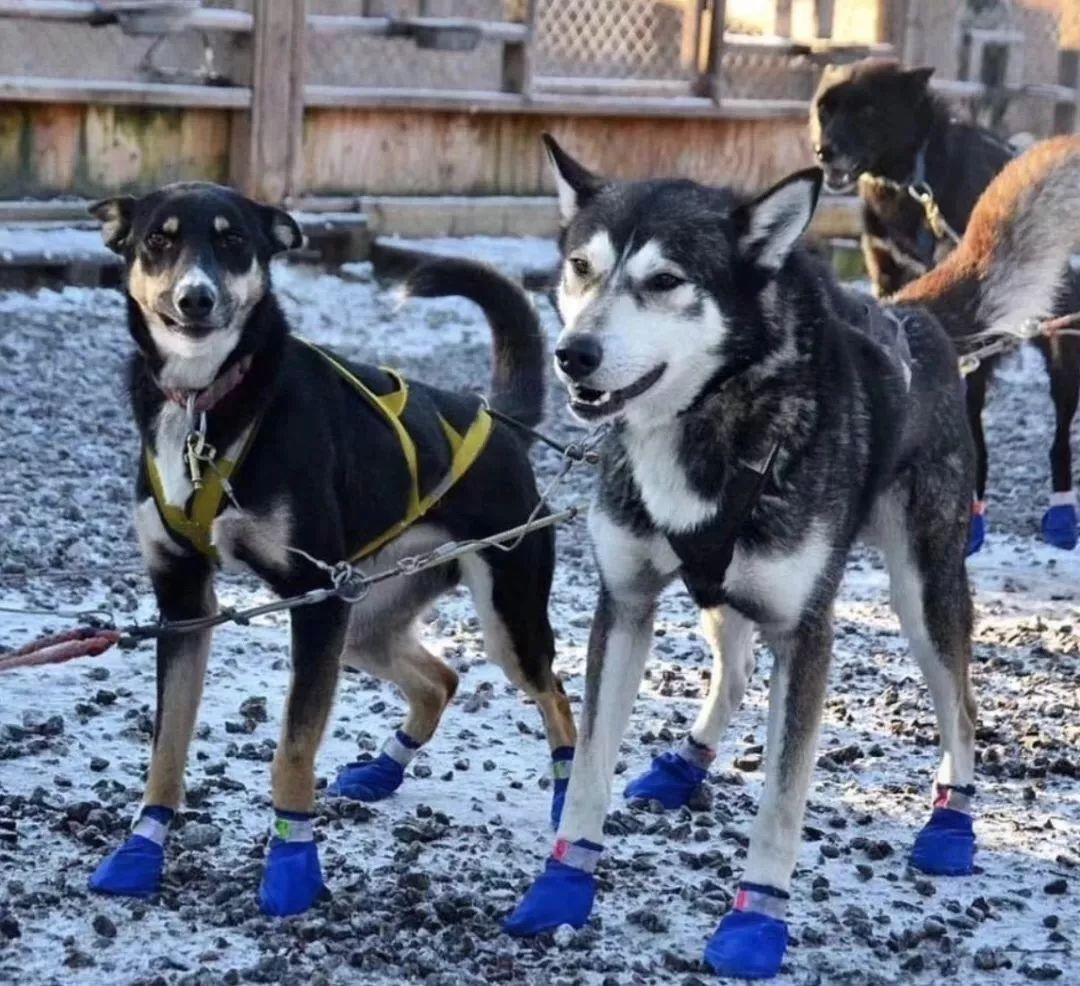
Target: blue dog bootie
(751,939)
(292,881)
(562,760)
(562,894)
(1059,523)
(977,530)
(674,776)
(945,846)
(134,870)
(373,780)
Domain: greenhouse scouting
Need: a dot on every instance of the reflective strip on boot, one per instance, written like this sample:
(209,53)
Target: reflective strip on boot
(954,797)
(150,828)
(580,857)
(293,829)
(697,753)
(400,747)
(761,899)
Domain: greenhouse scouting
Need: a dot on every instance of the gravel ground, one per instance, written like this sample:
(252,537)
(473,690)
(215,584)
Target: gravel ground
(420,882)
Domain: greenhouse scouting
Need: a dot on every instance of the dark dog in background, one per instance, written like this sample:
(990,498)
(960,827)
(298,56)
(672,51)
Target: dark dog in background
(313,457)
(877,127)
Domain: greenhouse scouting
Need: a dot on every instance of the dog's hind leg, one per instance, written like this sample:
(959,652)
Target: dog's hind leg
(976,383)
(1059,523)
(751,939)
(428,684)
(929,590)
(510,593)
(618,648)
(675,775)
(184,590)
(292,881)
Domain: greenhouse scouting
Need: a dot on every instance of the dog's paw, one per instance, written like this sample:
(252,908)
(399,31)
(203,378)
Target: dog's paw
(133,870)
(946,844)
(561,762)
(560,895)
(977,530)
(371,780)
(292,881)
(671,780)
(747,945)
(1059,527)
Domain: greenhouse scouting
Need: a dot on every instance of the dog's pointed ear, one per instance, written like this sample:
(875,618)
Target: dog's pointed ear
(115,218)
(575,184)
(919,77)
(772,223)
(282,230)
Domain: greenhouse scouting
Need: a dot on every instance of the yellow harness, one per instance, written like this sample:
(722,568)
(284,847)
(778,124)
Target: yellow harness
(193,523)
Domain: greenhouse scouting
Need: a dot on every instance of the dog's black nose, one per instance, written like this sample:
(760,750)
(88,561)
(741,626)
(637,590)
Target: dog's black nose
(196,301)
(579,356)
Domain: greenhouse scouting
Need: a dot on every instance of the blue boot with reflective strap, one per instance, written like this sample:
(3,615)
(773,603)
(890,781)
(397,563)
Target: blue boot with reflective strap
(977,527)
(562,759)
(1059,527)
(292,881)
(945,846)
(562,894)
(674,776)
(751,939)
(134,870)
(373,780)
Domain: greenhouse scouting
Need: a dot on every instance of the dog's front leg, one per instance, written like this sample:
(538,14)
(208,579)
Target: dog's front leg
(751,940)
(184,590)
(674,776)
(619,644)
(293,880)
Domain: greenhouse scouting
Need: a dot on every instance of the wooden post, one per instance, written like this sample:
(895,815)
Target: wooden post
(712,81)
(518,57)
(892,18)
(782,19)
(275,161)
(823,18)
(1066,114)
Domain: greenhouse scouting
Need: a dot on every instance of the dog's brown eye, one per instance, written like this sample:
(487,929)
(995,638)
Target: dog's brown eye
(663,281)
(232,241)
(156,241)
(580,266)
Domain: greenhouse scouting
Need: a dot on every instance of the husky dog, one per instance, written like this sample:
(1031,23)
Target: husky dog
(262,452)
(877,125)
(700,329)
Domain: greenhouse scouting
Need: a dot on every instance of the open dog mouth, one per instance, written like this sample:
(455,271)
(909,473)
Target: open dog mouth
(842,179)
(195,329)
(592,404)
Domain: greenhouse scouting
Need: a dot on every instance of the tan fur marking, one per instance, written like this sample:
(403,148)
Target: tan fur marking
(171,226)
(558,717)
(293,770)
(180,698)
(221,224)
(428,683)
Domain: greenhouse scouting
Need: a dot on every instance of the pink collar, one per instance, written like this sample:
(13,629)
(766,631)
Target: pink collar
(207,398)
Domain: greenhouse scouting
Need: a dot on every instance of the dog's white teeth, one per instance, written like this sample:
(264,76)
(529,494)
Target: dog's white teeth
(603,398)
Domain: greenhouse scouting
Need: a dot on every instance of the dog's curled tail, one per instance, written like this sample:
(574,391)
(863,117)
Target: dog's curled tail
(1011,264)
(517,381)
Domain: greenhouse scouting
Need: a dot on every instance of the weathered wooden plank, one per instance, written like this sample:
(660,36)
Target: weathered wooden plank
(507,31)
(403,152)
(100,91)
(278,52)
(77,11)
(483,102)
(55,134)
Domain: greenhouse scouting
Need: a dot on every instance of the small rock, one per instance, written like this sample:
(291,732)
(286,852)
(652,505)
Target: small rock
(98,764)
(103,926)
(197,835)
(1040,973)
(1056,887)
(9,926)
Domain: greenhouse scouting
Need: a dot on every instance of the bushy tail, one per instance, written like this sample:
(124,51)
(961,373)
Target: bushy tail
(517,382)
(1012,262)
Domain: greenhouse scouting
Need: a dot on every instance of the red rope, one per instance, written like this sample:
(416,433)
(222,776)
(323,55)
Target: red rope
(61,647)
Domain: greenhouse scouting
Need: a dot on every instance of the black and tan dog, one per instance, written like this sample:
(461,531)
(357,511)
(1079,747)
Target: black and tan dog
(877,126)
(262,451)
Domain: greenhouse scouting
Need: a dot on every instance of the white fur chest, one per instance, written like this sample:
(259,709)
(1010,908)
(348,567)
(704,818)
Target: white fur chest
(662,481)
(170,434)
